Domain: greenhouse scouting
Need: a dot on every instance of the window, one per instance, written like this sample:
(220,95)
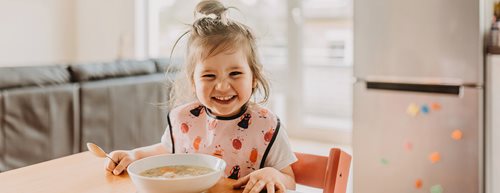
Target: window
(306,47)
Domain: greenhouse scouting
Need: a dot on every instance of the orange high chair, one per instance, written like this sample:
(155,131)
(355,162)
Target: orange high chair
(328,173)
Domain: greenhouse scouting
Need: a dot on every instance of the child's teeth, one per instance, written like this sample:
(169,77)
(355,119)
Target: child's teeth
(224,98)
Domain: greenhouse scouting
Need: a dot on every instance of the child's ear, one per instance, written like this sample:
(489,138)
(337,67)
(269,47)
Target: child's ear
(254,84)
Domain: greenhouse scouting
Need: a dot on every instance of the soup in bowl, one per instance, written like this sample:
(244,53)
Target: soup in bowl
(176,173)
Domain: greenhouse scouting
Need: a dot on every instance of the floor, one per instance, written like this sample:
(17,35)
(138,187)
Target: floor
(318,148)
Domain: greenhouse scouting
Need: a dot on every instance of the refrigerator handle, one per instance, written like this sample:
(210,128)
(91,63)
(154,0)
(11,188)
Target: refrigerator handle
(425,88)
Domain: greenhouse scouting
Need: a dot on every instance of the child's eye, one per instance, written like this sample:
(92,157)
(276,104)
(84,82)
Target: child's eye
(235,73)
(208,76)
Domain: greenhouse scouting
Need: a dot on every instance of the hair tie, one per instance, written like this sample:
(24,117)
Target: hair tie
(202,16)
(223,16)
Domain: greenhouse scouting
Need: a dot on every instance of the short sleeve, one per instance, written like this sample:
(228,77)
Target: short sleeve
(281,154)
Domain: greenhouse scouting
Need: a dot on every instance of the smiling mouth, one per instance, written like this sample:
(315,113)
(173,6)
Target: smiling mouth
(224,99)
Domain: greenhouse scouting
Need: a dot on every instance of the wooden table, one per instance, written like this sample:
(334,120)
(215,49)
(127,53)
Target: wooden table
(82,172)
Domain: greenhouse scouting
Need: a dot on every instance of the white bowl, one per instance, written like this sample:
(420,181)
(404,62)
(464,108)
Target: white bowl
(192,184)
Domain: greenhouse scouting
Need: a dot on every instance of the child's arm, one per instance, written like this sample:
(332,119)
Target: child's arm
(268,178)
(124,158)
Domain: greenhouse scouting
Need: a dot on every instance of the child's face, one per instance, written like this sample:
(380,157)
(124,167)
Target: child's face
(224,82)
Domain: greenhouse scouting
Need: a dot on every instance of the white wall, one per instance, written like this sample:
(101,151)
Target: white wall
(492,124)
(492,110)
(40,32)
(106,29)
(36,32)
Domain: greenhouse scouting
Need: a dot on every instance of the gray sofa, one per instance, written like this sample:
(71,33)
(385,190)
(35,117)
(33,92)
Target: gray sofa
(48,112)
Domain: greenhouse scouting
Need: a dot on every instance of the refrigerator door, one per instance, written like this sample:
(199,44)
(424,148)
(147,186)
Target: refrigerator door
(417,141)
(422,39)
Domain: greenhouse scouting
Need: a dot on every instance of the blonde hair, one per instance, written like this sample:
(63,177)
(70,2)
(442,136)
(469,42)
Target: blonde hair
(213,33)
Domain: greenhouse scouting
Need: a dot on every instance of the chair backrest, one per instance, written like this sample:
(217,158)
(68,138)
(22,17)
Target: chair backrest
(329,173)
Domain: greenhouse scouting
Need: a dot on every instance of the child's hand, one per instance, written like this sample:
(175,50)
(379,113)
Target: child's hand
(123,158)
(265,178)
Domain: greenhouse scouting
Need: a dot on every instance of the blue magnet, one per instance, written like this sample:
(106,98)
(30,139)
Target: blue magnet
(425,109)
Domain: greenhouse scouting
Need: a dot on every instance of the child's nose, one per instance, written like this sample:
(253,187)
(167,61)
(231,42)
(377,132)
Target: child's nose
(223,84)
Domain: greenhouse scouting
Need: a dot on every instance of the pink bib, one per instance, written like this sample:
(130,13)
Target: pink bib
(243,140)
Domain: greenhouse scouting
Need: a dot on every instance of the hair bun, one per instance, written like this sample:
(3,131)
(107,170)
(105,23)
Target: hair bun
(207,7)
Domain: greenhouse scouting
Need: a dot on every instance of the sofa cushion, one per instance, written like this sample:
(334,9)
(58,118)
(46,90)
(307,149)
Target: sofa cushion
(11,77)
(123,113)
(39,124)
(2,138)
(97,71)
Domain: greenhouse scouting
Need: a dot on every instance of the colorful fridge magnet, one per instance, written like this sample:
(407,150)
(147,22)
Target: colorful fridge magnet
(418,184)
(424,109)
(434,157)
(437,189)
(408,146)
(384,161)
(413,109)
(435,106)
(456,134)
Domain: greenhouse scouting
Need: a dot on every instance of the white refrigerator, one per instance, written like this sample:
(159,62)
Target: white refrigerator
(418,96)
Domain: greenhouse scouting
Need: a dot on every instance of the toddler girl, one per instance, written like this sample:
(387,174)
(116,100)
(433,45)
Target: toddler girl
(224,72)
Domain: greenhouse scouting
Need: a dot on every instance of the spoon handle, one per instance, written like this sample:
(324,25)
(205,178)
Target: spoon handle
(111,159)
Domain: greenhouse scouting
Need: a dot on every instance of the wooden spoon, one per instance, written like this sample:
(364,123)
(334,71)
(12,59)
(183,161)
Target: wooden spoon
(97,151)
